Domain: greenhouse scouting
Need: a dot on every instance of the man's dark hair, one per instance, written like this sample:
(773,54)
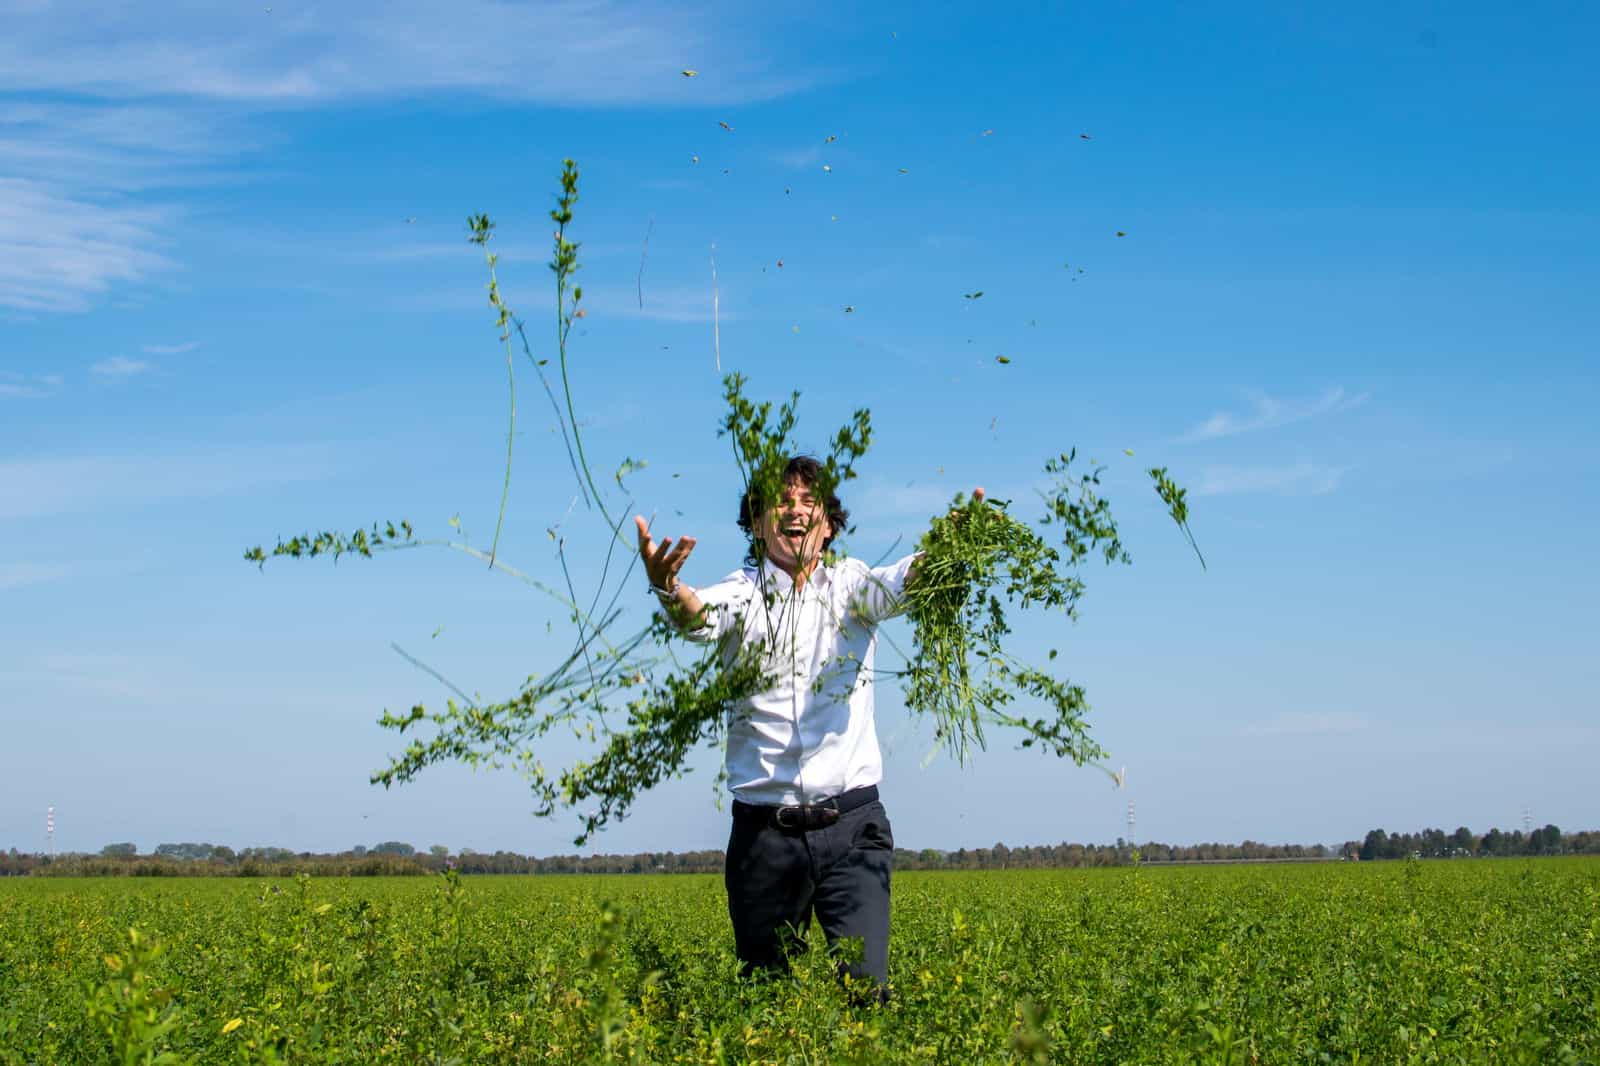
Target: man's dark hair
(806,470)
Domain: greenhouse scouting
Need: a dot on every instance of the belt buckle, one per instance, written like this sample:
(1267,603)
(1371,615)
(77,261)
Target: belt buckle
(777,817)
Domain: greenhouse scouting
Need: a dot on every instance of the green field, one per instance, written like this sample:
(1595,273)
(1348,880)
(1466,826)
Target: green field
(1453,961)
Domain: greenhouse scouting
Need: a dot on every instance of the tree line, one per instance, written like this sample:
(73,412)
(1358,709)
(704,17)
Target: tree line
(397,858)
(1435,844)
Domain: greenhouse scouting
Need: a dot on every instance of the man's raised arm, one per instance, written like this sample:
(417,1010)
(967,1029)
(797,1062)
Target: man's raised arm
(662,563)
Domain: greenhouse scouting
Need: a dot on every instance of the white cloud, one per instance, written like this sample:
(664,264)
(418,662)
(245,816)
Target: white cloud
(1296,479)
(1306,724)
(119,367)
(581,53)
(51,485)
(169,349)
(77,214)
(15,575)
(18,385)
(59,247)
(1270,413)
(662,303)
(800,158)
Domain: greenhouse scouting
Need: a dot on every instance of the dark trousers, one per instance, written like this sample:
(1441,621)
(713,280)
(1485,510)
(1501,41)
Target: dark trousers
(778,878)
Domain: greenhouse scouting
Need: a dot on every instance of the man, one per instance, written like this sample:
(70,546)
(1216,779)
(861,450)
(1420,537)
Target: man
(810,835)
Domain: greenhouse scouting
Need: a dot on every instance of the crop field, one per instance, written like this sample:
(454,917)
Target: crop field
(1456,961)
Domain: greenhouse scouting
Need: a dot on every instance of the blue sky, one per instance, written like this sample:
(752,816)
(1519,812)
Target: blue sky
(1351,310)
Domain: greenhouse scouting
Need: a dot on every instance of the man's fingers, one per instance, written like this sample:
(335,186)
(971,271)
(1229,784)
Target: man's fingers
(680,555)
(644,532)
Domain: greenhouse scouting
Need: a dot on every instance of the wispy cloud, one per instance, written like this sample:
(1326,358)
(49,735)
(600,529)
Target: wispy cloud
(592,52)
(20,386)
(86,203)
(60,247)
(1295,479)
(50,485)
(15,575)
(664,303)
(1270,413)
(118,366)
(800,158)
(1306,724)
(169,349)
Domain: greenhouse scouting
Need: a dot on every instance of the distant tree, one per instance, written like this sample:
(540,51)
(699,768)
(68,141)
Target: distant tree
(393,847)
(1546,841)
(1494,842)
(1463,840)
(1376,846)
(439,851)
(120,851)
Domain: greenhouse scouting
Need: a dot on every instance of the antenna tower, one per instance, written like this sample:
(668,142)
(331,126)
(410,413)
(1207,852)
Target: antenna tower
(50,830)
(1130,823)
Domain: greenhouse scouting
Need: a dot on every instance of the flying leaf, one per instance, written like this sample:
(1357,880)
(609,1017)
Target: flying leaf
(831,139)
(972,295)
(1127,451)
(694,159)
(725,126)
(826,169)
(848,308)
(903,170)
(691,73)
(1122,233)
(987,133)
(629,466)
(1002,359)
(1084,137)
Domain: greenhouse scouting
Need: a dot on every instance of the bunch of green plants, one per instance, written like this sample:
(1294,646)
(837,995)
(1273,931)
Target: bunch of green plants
(1444,961)
(977,561)
(642,711)
(974,562)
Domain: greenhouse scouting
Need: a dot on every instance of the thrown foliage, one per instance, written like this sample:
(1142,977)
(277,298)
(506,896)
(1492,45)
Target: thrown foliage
(975,563)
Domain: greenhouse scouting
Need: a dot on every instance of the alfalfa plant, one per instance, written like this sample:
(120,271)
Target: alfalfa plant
(975,562)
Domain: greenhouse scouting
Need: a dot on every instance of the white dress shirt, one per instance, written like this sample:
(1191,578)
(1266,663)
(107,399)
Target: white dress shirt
(811,735)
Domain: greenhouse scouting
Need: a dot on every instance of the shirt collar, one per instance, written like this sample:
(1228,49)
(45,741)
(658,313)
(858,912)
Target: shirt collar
(773,577)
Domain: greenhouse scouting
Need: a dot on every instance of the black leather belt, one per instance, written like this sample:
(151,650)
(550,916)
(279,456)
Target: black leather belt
(807,816)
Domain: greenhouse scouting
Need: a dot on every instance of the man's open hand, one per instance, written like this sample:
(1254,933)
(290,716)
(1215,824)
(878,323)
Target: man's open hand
(977,497)
(663,561)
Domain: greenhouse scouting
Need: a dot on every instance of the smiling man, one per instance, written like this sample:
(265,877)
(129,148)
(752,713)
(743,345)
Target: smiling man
(810,835)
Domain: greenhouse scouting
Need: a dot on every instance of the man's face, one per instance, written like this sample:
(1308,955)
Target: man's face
(795,528)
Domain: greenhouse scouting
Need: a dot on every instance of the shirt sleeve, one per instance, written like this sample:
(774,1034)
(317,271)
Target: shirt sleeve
(725,602)
(881,592)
